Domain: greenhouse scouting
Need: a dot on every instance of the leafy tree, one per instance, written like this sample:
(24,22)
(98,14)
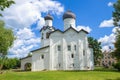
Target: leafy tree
(116,52)
(6,40)
(116,13)
(10,63)
(116,19)
(5,4)
(96,49)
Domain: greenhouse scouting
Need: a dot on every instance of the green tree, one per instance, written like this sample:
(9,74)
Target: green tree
(116,52)
(116,13)
(10,63)
(93,43)
(5,4)
(116,19)
(6,40)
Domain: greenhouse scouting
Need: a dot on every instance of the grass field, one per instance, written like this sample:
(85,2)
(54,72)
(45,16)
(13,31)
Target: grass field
(61,75)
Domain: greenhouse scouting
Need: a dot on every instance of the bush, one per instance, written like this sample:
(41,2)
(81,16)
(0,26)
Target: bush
(9,63)
(117,66)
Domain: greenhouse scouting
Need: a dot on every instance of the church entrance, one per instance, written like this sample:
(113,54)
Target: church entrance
(27,67)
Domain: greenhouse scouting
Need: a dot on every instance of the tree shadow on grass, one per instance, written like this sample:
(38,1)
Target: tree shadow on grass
(114,79)
(75,70)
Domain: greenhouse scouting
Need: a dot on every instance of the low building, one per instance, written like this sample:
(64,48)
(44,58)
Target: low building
(107,59)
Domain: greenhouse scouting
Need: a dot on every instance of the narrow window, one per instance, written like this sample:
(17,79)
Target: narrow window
(73,64)
(83,52)
(59,65)
(42,36)
(72,55)
(69,48)
(75,47)
(47,35)
(42,56)
(59,48)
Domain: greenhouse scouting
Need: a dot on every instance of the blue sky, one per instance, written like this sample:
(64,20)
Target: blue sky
(89,13)
(26,18)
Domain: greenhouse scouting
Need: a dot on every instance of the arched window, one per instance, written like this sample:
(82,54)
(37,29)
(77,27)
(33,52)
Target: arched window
(72,55)
(42,56)
(47,35)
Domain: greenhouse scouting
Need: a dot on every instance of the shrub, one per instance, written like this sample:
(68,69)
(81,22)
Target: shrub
(117,66)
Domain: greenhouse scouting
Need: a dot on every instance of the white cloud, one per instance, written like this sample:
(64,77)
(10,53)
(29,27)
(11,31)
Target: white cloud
(110,4)
(25,34)
(106,23)
(26,12)
(20,16)
(26,41)
(86,28)
(107,41)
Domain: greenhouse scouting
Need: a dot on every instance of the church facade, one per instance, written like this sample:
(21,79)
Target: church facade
(63,50)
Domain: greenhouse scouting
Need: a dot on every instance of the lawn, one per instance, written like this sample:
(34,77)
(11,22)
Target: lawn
(61,75)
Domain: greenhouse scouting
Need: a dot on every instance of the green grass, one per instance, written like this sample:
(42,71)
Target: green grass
(62,75)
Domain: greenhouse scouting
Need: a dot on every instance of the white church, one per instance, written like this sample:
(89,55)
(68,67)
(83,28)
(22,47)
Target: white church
(63,50)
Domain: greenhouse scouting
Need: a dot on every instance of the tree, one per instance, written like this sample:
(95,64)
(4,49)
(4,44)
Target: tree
(6,40)
(96,49)
(5,4)
(116,52)
(116,19)
(11,63)
(116,13)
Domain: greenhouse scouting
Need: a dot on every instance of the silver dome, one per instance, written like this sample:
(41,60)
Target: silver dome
(69,14)
(48,17)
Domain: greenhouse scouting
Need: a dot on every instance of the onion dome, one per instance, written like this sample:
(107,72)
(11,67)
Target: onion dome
(69,14)
(48,17)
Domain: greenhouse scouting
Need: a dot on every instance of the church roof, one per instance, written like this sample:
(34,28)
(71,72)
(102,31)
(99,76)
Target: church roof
(48,17)
(69,29)
(40,48)
(25,57)
(47,27)
(69,14)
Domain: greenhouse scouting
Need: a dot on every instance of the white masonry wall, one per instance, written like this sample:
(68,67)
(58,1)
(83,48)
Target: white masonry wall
(69,22)
(48,22)
(62,60)
(39,64)
(24,61)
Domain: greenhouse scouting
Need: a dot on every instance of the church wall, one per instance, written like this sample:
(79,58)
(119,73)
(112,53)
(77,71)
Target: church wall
(90,60)
(80,58)
(71,38)
(56,56)
(44,40)
(48,23)
(64,57)
(24,61)
(40,60)
(69,22)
